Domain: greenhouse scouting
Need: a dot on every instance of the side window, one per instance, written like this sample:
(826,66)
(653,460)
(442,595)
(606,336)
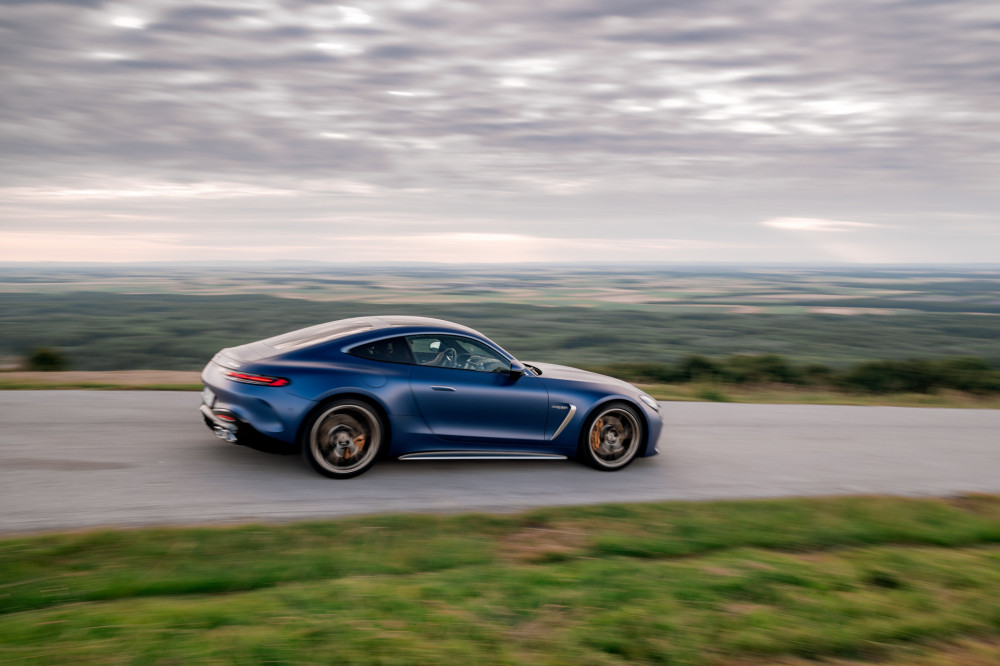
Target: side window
(451,351)
(392,350)
(428,349)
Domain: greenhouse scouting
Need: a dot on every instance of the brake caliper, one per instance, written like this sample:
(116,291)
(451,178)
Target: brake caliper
(595,434)
(359,445)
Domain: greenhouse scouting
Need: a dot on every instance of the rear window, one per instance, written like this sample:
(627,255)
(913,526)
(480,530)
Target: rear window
(392,350)
(316,334)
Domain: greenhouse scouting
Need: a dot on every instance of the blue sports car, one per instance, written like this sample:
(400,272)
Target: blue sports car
(348,392)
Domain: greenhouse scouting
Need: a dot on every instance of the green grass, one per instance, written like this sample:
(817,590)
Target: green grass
(673,583)
(789,395)
(710,393)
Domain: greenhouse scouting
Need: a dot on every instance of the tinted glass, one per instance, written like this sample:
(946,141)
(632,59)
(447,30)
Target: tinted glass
(392,350)
(454,351)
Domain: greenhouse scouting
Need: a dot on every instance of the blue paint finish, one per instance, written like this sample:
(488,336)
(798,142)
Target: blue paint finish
(483,407)
(392,363)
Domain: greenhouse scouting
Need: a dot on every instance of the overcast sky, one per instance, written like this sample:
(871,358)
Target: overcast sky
(555,130)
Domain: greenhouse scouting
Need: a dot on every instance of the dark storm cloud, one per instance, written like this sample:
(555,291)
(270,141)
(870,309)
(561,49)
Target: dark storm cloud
(688,102)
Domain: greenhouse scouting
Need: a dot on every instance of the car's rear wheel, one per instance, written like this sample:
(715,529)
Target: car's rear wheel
(611,438)
(343,438)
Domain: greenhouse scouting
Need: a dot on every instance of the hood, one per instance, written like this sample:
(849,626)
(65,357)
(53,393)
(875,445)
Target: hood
(566,373)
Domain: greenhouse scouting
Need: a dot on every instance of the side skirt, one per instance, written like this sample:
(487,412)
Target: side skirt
(480,455)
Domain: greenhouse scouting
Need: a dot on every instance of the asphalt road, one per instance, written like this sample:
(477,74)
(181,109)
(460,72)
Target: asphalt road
(73,459)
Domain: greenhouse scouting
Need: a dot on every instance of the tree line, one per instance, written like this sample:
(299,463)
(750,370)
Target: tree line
(966,373)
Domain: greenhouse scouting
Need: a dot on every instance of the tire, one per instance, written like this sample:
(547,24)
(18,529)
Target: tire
(343,438)
(612,437)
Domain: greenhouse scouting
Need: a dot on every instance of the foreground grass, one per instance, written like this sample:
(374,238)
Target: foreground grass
(782,581)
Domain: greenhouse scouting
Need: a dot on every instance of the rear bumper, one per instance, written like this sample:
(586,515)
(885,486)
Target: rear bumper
(274,412)
(235,431)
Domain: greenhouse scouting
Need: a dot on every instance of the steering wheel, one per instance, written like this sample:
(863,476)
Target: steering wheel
(492,365)
(448,357)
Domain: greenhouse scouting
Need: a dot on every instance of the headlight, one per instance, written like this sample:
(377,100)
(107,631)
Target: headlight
(649,401)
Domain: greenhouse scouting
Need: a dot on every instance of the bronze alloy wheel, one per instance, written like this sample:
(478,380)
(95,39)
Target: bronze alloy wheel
(612,438)
(343,439)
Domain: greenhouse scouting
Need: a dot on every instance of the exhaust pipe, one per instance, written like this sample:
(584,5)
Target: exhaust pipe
(222,433)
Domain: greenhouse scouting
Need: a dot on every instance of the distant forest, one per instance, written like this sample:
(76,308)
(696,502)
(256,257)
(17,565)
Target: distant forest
(110,331)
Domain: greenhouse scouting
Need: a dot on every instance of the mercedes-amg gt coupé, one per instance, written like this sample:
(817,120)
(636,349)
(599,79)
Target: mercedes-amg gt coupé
(351,391)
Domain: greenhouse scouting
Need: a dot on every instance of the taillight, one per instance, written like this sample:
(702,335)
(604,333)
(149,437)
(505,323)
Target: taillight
(257,380)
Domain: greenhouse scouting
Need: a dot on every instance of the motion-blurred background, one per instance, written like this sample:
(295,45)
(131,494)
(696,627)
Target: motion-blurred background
(813,184)
(782,201)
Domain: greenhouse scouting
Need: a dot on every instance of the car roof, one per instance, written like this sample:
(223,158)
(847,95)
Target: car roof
(407,321)
(364,328)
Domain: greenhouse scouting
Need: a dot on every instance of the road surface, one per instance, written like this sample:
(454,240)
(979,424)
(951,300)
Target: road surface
(74,459)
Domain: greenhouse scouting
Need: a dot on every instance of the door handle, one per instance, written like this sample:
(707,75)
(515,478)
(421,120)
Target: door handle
(442,388)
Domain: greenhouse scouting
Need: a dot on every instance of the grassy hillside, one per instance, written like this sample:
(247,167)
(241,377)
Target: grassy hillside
(106,331)
(886,580)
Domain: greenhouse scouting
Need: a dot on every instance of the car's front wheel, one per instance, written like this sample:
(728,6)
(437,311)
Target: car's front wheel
(342,439)
(611,437)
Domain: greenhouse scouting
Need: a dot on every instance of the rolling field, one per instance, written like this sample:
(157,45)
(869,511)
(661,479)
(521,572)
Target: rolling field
(793,582)
(175,318)
(856,580)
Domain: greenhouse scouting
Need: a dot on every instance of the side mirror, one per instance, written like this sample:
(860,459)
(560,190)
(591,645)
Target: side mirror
(516,370)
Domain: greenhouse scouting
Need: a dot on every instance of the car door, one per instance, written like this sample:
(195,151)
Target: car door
(473,398)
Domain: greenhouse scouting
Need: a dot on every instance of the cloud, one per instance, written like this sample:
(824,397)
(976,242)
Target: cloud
(69,247)
(506,248)
(574,113)
(448,248)
(125,189)
(815,224)
(673,120)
